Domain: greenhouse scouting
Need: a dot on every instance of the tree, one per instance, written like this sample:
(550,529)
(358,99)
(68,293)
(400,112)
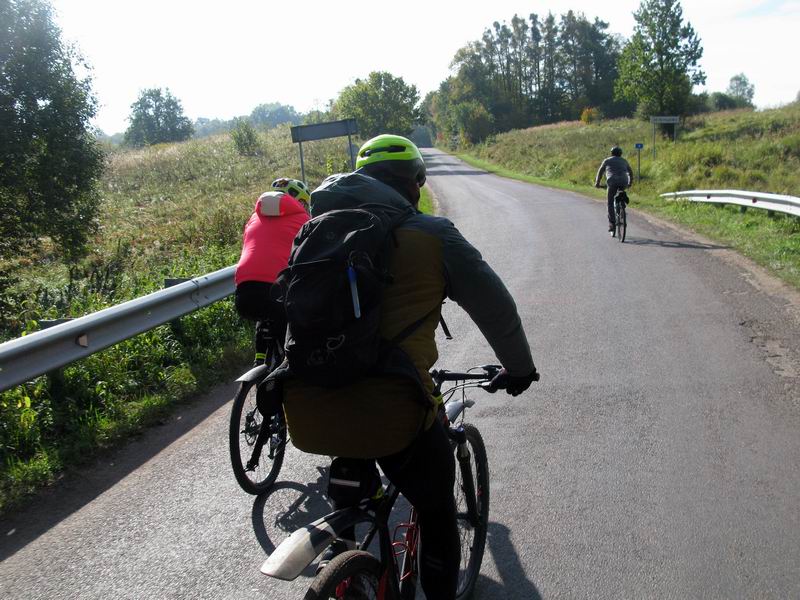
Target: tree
(315,116)
(741,89)
(722,101)
(381,103)
(157,117)
(659,66)
(473,121)
(50,160)
(245,138)
(204,127)
(267,116)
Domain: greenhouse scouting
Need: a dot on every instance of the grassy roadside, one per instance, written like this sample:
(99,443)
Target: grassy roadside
(173,210)
(426,201)
(734,150)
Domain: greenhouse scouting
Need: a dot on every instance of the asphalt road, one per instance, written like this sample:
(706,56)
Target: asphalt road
(658,457)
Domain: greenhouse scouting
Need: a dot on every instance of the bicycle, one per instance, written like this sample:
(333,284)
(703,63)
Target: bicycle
(356,574)
(254,470)
(620,217)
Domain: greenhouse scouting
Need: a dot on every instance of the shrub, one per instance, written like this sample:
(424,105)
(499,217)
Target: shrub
(591,114)
(245,139)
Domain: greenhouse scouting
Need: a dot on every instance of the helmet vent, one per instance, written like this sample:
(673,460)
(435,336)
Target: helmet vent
(393,148)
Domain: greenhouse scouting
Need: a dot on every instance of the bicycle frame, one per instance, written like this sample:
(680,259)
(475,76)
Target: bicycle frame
(304,545)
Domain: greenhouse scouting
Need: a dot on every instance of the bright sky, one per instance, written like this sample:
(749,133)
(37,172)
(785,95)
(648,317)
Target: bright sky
(222,59)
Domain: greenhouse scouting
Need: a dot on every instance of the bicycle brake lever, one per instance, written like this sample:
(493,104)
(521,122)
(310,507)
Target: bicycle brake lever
(491,370)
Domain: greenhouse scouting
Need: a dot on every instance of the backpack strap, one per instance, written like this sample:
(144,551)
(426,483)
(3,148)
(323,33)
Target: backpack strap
(445,329)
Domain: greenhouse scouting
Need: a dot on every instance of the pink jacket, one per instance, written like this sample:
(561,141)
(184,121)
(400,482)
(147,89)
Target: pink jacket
(268,237)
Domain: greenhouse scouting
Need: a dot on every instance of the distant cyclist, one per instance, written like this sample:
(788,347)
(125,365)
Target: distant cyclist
(619,176)
(268,235)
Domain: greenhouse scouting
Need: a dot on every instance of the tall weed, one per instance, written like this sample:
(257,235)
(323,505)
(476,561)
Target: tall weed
(172,210)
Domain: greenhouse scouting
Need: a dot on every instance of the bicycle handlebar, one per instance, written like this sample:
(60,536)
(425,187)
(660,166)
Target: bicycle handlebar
(489,371)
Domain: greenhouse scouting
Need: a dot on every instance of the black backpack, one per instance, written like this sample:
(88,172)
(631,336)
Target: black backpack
(332,290)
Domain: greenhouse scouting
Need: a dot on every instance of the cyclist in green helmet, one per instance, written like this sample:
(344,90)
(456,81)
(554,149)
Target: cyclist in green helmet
(266,242)
(390,415)
(294,187)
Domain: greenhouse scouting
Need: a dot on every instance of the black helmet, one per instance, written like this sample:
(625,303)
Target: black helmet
(616,151)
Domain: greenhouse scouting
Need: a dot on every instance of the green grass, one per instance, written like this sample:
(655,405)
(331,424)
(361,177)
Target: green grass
(755,151)
(174,210)
(426,201)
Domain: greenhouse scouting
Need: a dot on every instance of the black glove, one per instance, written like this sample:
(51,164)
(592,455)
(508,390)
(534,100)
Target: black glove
(512,384)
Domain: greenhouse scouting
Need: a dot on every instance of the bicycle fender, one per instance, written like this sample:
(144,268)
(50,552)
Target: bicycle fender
(300,549)
(455,408)
(254,374)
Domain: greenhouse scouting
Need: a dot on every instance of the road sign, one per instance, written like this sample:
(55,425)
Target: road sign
(639,146)
(321,131)
(665,119)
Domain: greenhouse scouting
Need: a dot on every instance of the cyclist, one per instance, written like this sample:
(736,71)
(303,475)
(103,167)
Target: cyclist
(385,415)
(619,176)
(267,240)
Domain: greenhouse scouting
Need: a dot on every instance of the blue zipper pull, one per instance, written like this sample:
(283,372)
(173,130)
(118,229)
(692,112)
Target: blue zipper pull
(351,276)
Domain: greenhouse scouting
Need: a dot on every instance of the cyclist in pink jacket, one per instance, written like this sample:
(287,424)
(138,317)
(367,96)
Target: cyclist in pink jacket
(268,235)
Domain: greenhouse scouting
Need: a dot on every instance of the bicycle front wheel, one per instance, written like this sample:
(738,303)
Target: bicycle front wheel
(256,462)
(622,221)
(472,532)
(352,575)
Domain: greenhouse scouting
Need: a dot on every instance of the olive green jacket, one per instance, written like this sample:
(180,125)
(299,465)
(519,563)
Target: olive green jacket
(381,414)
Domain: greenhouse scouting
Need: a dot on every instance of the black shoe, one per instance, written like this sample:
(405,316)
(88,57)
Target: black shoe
(611,227)
(336,548)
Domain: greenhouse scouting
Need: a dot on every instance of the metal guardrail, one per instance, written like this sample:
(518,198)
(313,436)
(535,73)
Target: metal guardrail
(27,357)
(789,205)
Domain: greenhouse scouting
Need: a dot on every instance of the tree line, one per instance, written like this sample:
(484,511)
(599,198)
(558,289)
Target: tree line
(533,70)
(539,70)
(530,71)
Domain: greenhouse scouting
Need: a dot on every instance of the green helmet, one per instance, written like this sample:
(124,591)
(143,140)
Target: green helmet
(393,156)
(294,187)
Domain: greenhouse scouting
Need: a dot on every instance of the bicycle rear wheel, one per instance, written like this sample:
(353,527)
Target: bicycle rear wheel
(352,575)
(245,427)
(473,536)
(622,221)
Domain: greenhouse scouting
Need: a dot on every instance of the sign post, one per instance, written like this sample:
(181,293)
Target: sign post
(639,147)
(322,131)
(663,120)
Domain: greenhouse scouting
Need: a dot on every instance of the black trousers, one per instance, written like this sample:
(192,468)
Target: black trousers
(425,474)
(255,300)
(613,188)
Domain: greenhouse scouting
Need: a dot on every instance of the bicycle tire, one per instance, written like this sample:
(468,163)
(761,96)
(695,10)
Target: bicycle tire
(622,222)
(471,561)
(245,425)
(359,571)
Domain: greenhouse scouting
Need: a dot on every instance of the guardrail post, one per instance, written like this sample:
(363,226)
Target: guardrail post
(742,209)
(55,378)
(175,324)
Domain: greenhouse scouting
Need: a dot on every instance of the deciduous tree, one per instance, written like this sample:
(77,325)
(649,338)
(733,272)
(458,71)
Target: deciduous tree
(741,89)
(49,159)
(267,116)
(381,103)
(157,117)
(659,65)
